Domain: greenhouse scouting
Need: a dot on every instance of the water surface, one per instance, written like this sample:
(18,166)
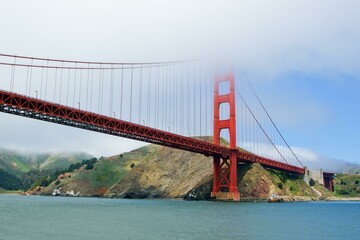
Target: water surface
(36,218)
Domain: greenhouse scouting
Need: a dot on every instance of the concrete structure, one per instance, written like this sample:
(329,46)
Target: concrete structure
(324,178)
(316,175)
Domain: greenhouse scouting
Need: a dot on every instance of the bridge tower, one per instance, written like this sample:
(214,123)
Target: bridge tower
(225,169)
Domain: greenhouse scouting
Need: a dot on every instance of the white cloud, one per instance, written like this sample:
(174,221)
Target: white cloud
(265,38)
(308,157)
(28,135)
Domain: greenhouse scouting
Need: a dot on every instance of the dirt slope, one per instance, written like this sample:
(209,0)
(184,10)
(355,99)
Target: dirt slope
(164,173)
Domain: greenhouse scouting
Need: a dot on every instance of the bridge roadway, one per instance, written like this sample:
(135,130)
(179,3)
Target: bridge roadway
(21,105)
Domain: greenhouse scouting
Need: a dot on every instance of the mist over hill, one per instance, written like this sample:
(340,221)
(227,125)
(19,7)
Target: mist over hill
(19,170)
(331,165)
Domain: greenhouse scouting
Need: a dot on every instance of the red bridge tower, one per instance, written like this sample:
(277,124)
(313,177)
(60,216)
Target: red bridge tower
(225,169)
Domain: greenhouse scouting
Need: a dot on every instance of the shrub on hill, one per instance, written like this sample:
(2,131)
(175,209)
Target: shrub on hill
(312,182)
(9,181)
(89,166)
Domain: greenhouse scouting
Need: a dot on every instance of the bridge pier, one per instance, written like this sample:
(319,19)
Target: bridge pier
(225,169)
(323,178)
(329,180)
(225,179)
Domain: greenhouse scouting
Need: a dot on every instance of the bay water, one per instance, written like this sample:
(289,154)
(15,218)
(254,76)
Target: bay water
(52,218)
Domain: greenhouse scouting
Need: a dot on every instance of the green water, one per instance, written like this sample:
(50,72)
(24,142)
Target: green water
(31,218)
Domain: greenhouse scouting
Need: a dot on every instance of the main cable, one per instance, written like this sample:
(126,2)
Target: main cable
(273,123)
(247,106)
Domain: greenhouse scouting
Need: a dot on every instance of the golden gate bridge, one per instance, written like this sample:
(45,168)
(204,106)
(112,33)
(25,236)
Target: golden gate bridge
(172,104)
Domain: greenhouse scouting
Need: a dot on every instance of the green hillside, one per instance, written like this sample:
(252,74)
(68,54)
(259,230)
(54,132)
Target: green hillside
(105,173)
(21,170)
(347,185)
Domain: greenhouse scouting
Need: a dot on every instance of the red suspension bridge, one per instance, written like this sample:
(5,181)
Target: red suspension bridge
(165,103)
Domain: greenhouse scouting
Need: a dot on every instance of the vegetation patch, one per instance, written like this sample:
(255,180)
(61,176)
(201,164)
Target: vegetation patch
(347,185)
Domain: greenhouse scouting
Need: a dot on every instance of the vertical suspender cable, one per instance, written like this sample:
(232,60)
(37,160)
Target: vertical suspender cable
(75,71)
(30,77)
(200,102)
(188,99)
(99,91)
(12,79)
(121,90)
(140,93)
(80,87)
(149,98)
(27,80)
(206,109)
(91,90)
(174,99)
(166,100)
(55,84)
(61,80)
(46,78)
(131,90)
(102,89)
(41,81)
(194,91)
(161,99)
(67,91)
(182,102)
(156,96)
(111,91)
(87,88)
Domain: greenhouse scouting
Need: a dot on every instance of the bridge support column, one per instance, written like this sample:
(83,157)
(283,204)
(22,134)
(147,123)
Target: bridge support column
(216,184)
(225,179)
(233,176)
(225,168)
(329,181)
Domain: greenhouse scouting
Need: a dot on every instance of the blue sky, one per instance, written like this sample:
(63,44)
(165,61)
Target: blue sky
(323,111)
(301,56)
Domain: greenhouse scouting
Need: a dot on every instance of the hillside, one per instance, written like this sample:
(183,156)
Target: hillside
(164,173)
(347,185)
(160,172)
(106,172)
(21,170)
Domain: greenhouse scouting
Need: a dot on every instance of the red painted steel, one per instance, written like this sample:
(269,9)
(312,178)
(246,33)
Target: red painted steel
(46,111)
(225,170)
(329,180)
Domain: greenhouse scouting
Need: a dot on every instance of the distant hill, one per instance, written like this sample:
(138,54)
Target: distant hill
(18,162)
(316,161)
(333,165)
(18,170)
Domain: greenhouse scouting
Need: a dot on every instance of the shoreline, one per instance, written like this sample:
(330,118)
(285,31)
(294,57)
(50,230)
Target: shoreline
(334,199)
(282,199)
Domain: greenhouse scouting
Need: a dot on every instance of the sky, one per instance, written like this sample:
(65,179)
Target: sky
(302,57)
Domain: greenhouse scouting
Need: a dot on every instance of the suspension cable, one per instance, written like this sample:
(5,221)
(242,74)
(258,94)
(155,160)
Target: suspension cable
(273,123)
(93,63)
(247,106)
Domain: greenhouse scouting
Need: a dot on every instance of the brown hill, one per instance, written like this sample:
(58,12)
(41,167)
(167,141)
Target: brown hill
(166,172)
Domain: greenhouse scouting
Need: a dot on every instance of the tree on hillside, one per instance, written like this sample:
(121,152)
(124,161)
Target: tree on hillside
(9,181)
(89,166)
(312,182)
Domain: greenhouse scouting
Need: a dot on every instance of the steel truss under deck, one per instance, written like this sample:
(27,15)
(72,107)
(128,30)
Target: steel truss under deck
(17,104)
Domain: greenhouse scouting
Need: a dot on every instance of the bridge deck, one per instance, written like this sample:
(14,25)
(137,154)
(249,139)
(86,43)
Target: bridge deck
(51,112)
